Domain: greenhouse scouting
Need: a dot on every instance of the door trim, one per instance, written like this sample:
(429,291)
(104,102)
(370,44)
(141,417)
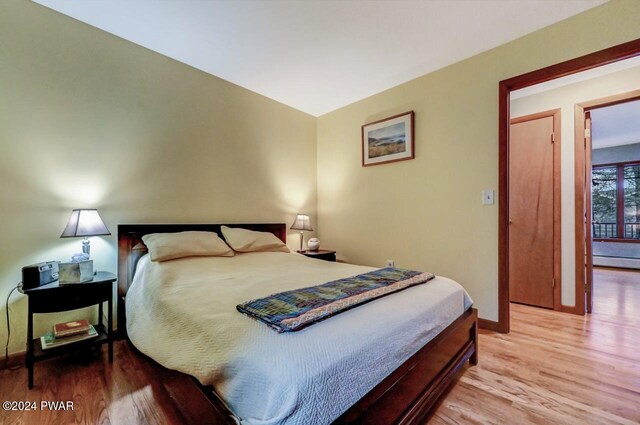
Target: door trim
(582,165)
(588,211)
(557,199)
(505,87)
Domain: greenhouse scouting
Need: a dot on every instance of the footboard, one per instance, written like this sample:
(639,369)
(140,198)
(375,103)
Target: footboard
(409,394)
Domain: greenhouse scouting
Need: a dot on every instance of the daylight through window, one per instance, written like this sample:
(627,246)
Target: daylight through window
(616,201)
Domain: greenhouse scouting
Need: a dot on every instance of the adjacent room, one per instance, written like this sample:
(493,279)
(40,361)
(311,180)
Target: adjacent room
(288,212)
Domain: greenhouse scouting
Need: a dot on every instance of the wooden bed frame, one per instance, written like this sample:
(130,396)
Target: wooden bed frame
(406,397)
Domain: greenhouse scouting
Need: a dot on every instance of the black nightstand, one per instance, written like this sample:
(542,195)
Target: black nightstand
(321,254)
(53,298)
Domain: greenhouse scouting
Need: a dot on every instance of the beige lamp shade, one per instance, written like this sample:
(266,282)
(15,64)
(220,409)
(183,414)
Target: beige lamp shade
(84,223)
(302,222)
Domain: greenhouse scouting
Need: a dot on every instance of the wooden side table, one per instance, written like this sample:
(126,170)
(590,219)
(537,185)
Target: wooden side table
(53,298)
(320,254)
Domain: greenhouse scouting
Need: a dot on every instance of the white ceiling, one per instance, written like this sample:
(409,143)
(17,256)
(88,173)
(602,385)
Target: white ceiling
(318,56)
(615,125)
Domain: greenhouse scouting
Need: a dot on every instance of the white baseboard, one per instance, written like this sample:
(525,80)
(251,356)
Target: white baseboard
(627,263)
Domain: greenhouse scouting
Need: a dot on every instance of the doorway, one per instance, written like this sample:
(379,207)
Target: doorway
(607,56)
(534,210)
(610,199)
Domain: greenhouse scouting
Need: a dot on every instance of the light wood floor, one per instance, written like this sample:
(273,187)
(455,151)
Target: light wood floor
(557,368)
(553,368)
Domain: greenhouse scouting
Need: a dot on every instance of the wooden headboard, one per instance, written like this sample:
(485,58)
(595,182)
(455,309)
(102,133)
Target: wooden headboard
(131,248)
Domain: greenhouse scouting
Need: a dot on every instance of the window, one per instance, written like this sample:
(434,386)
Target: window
(632,201)
(604,200)
(615,195)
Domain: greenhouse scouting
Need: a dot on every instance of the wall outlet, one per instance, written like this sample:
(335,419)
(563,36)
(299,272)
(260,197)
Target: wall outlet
(391,263)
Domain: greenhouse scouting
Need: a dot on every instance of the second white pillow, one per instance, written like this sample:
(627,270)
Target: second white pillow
(244,240)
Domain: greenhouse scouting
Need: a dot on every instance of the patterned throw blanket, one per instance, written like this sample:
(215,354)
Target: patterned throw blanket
(293,310)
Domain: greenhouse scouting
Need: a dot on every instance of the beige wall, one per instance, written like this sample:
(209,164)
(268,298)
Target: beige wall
(90,120)
(427,213)
(565,98)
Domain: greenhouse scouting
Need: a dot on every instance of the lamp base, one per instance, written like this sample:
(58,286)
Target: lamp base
(86,247)
(80,256)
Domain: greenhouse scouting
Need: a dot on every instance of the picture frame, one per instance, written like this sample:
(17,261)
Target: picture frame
(388,140)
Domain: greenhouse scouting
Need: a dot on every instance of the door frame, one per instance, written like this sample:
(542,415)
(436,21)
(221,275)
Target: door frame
(505,87)
(587,208)
(583,164)
(557,199)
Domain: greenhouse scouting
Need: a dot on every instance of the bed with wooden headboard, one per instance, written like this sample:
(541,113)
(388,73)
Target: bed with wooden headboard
(407,396)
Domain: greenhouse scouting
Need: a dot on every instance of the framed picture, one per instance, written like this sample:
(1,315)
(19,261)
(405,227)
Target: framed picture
(388,140)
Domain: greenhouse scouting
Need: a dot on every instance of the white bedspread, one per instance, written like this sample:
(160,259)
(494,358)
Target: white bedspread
(182,313)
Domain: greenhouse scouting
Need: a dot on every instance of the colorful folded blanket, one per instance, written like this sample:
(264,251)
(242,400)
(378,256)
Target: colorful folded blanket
(293,310)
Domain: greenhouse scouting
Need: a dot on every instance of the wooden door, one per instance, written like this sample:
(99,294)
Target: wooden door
(588,214)
(533,210)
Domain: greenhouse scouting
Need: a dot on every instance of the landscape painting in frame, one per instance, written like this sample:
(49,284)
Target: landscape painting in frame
(388,140)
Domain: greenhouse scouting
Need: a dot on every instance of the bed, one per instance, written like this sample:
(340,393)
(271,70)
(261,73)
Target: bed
(383,363)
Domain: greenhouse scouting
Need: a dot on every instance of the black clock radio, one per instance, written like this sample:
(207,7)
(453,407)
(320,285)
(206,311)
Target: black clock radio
(39,274)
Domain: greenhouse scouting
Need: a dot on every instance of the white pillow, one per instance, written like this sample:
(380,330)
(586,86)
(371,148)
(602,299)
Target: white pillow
(243,240)
(169,246)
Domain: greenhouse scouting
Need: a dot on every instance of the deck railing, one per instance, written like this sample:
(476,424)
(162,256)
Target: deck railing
(610,230)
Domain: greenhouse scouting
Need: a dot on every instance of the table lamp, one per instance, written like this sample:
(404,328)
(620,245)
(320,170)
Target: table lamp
(84,223)
(302,223)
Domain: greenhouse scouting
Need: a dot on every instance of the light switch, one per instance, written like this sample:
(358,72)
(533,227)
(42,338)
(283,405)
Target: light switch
(487,197)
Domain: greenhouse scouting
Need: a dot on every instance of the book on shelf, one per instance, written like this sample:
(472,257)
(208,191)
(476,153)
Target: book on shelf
(66,329)
(50,341)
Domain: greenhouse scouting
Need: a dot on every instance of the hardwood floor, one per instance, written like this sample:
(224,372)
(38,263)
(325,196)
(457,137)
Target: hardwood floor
(553,368)
(125,392)
(557,368)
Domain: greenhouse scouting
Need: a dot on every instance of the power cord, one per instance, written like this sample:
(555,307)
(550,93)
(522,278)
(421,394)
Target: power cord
(6,347)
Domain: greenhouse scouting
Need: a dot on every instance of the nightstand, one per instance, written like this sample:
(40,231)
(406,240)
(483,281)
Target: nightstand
(321,254)
(53,298)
